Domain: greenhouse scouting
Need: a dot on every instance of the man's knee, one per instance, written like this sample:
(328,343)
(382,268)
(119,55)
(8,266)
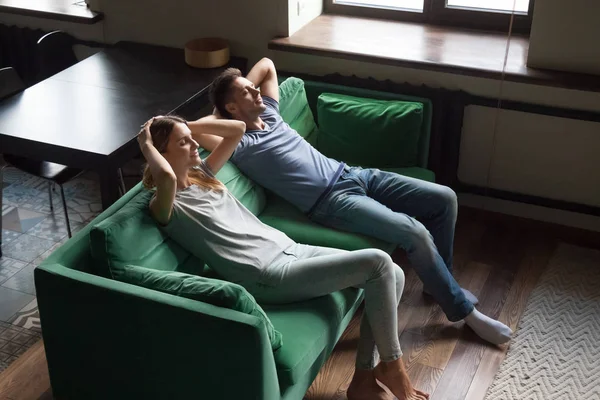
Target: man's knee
(447,197)
(417,236)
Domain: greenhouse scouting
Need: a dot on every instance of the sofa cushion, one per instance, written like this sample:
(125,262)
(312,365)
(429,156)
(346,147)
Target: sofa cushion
(369,132)
(414,172)
(243,188)
(310,327)
(283,216)
(212,291)
(130,236)
(294,109)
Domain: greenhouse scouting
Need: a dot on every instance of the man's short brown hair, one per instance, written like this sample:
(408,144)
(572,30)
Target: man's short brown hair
(220,90)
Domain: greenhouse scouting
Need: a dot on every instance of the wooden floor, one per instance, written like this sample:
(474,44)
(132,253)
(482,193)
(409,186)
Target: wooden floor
(498,258)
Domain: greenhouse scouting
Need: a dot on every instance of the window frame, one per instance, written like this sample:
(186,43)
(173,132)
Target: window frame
(436,12)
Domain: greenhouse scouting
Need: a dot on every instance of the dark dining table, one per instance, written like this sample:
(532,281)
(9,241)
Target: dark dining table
(88,115)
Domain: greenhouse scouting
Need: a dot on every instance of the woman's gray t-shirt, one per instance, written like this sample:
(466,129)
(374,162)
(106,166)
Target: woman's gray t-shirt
(215,227)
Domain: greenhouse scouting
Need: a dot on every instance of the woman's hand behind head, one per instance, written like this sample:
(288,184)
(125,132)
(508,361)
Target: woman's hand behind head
(144,137)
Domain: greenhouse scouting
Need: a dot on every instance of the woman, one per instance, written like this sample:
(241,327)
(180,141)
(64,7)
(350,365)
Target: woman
(198,212)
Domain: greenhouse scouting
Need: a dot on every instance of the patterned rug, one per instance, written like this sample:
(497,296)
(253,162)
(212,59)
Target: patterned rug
(555,353)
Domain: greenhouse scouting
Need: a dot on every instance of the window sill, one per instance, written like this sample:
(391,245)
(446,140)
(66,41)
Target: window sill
(62,10)
(436,48)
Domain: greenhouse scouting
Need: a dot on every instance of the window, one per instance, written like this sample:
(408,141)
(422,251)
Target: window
(477,14)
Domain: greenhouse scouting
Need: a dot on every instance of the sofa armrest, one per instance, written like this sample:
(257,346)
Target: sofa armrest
(106,339)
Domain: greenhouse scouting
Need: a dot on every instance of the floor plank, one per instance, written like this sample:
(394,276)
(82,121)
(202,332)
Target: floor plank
(536,259)
(484,376)
(425,378)
(458,374)
(466,357)
(533,264)
(432,353)
(26,378)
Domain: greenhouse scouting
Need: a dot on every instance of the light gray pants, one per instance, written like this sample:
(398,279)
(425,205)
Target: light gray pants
(305,272)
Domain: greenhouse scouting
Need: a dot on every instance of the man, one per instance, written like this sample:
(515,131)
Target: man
(416,215)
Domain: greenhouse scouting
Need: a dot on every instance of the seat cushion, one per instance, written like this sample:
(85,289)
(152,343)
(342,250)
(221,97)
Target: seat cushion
(369,132)
(309,328)
(294,109)
(130,236)
(283,216)
(212,291)
(414,172)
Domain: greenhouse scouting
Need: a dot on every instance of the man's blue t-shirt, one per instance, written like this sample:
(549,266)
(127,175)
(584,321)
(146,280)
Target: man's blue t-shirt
(279,159)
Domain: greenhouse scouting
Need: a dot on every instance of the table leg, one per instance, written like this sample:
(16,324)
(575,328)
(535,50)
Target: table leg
(109,187)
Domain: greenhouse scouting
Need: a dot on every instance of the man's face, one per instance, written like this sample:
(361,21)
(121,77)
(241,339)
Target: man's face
(246,104)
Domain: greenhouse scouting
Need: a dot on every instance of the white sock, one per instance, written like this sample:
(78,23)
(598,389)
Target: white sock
(488,329)
(470,296)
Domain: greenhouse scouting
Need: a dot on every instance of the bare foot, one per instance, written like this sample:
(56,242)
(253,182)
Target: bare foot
(365,387)
(393,375)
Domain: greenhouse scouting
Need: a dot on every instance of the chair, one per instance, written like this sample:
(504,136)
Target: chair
(11,83)
(56,53)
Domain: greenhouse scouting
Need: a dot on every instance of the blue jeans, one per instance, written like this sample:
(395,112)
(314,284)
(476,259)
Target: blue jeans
(416,215)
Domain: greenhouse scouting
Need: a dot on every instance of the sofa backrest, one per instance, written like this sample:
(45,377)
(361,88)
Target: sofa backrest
(130,235)
(295,110)
(314,89)
(249,193)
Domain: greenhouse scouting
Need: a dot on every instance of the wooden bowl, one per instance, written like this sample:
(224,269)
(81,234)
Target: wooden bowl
(207,52)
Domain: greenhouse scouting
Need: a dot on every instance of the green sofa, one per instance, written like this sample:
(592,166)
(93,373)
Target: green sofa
(106,339)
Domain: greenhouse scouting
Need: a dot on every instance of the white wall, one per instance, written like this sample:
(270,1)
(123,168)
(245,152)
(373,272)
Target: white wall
(301,12)
(564,36)
(248,25)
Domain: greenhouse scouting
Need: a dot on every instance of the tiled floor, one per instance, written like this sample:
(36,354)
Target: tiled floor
(31,231)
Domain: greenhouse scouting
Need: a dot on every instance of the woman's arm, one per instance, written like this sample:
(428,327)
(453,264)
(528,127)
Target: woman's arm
(227,133)
(161,205)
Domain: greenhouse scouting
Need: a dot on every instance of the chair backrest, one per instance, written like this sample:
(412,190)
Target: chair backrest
(10,82)
(56,53)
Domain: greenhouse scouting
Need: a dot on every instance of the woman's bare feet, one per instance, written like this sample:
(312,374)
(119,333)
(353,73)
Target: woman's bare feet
(393,375)
(365,387)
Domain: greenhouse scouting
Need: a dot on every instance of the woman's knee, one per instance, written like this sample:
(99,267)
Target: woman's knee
(400,281)
(400,277)
(379,260)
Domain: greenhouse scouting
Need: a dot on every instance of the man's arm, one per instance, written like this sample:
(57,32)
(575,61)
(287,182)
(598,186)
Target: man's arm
(264,76)
(219,136)
(206,140)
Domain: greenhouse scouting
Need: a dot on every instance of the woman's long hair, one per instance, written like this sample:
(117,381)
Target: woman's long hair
(161,130)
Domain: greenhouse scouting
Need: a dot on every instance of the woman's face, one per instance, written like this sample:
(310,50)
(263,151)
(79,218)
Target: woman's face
(182,149)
